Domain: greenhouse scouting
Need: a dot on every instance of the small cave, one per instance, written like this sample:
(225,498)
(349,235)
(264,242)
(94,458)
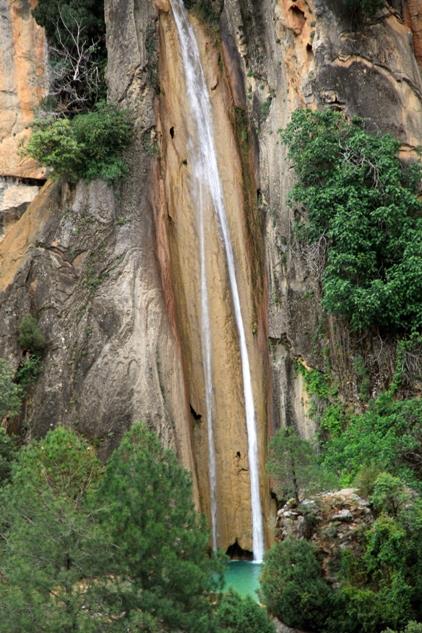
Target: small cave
(196,416)
(172,132)
(238,455)
(235,552)
(297,19)
(184,162)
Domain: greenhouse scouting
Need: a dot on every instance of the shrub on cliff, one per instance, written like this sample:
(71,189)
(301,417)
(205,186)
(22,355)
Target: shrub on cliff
(89,146)
(30,337)
(293,587)
(10,392)
(362,203)
(387,437)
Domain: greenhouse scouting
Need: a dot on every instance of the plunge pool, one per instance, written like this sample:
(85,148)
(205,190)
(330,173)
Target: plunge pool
(243,577)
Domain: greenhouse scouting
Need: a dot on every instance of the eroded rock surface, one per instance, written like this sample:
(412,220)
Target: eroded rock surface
(333,521)
(23,84)
(112,273)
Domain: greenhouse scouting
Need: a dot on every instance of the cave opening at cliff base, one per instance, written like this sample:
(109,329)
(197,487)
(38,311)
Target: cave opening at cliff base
(235,552)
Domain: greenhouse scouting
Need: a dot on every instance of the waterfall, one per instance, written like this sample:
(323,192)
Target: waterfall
(208,184)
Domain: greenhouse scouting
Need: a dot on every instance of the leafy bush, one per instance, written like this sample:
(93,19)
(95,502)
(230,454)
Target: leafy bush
(30,337)
(293,587)
(382,587)
(387,437)
(389,495)
(49,541)
(363,200)
(10,392)
(29,371)
(242,615)
(86,147)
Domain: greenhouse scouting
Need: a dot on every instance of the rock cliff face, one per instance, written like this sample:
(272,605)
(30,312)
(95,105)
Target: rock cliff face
(23,83)
(112,274)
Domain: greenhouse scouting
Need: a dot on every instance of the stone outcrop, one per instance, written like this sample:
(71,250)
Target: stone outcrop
(332,521)
(112,274)
(23,83)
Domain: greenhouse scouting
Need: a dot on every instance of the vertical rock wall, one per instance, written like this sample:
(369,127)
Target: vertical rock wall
(23,83)
(112,274)
(178,208)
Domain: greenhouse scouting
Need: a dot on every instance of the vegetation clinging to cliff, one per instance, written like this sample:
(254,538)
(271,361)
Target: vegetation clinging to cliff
(10,392)
(362,206)
(75,31)
(88,146)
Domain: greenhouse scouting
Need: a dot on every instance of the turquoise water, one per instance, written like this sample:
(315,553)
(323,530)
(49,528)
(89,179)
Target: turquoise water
(243,577)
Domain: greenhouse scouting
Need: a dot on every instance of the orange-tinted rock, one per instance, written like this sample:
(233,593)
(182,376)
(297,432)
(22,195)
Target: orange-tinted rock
(413,14)
(23,83)
(179,213)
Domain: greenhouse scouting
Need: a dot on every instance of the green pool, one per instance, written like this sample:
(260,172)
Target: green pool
(243,577)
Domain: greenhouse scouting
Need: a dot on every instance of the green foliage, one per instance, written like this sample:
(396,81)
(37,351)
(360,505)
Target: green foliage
(363,381)
(412,627)
(293,587)
(30,337)
(86,147)
(387,437)
(29,371)
(8,452)
(242,615)
(75,31)
(88,13)
(162,556)
(382,587)
(388,494)
(363,200)
(326,408)
(120,551)
(293,463)
(10,392)
(49,544)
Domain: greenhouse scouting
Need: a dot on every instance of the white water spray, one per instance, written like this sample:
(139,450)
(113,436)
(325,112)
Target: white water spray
(206,173)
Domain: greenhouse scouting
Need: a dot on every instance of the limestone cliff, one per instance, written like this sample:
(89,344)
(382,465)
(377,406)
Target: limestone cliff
(112,274)
(23,83)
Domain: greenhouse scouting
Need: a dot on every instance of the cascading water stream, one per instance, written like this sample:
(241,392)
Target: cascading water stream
(207,177)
